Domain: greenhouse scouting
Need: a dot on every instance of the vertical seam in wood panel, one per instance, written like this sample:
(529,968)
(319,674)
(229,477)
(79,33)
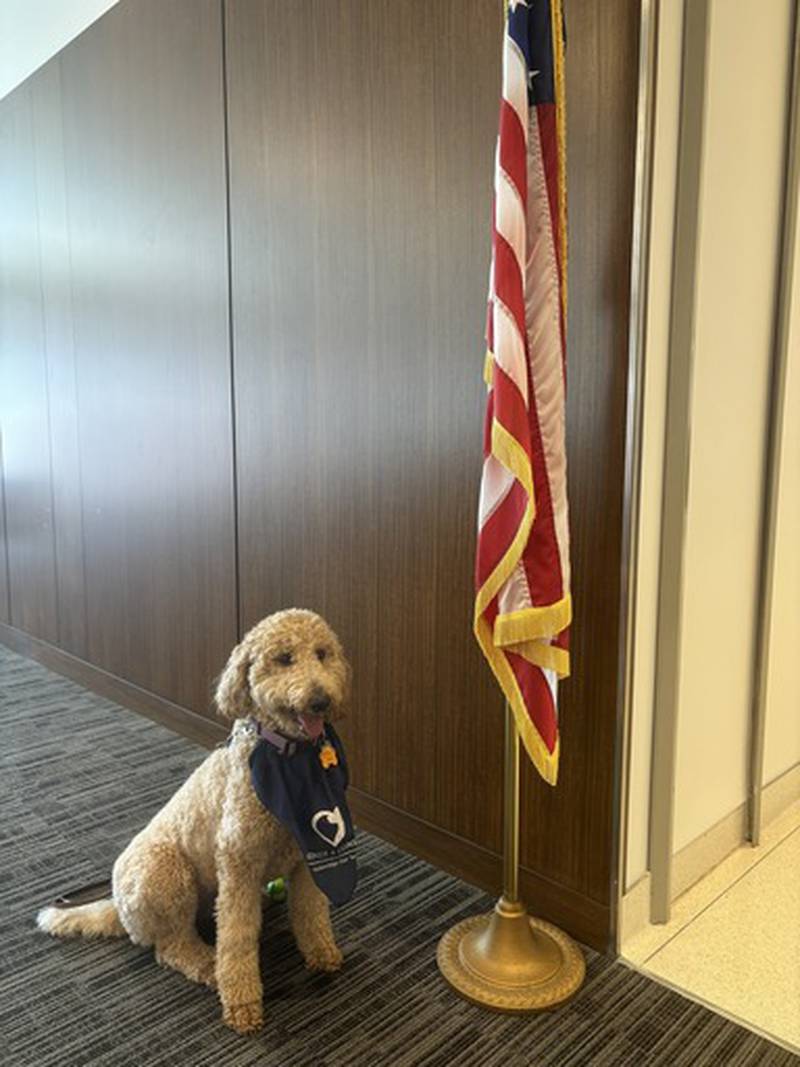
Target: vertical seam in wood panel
(56,633)
(231,364)
(438,783)
(75,359)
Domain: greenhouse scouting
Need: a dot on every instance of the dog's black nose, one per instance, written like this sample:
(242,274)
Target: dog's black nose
(320,702)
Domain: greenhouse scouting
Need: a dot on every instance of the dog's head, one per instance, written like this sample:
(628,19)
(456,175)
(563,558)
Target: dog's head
(288,673)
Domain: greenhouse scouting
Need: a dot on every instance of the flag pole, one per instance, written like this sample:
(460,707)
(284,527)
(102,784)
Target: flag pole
(511,810)
(508,960)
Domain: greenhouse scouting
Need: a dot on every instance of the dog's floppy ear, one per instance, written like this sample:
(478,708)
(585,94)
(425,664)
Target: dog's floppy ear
(233,689)
(348,682)
(347,686)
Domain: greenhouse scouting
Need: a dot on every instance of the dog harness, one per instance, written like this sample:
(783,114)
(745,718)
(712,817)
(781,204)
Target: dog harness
(303,783)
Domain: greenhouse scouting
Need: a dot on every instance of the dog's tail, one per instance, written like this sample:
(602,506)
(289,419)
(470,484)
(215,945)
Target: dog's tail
(98,919)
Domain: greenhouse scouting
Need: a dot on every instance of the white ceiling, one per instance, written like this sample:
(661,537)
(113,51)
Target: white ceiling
(31,31)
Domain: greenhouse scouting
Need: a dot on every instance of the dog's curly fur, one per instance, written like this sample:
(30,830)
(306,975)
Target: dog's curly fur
(214,838)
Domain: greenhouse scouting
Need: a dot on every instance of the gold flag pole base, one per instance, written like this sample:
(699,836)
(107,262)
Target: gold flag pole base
(508,960)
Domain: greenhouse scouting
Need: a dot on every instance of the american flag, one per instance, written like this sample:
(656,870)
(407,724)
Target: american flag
(522,605)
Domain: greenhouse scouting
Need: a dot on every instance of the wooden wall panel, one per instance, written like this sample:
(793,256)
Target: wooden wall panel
(468,706)
(117,425)
(361,146)
(59,349)
(144,158)
(356,496)
(23,380)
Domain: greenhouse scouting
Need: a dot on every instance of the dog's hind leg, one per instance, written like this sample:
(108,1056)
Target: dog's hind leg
(189,955)
(155,890)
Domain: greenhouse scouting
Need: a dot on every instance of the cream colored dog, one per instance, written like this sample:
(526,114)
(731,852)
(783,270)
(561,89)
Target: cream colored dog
(214,837)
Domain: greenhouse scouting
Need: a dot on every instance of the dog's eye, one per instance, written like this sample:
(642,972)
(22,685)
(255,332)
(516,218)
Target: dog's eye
(285,659)
(322,654)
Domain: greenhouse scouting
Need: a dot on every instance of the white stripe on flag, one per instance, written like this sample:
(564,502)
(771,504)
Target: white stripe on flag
(542,321)
(515,81)
(515,594)
(552,680)
(509,218)
(509,348)
(495,484)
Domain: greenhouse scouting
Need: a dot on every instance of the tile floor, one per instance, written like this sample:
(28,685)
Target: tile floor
(734,938)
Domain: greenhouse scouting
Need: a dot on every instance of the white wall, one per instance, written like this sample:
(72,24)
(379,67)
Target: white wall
(31,31)
(741,200)
(782,740)
(743,164)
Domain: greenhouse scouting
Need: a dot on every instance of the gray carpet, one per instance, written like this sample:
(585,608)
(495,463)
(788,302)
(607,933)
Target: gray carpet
(80,775)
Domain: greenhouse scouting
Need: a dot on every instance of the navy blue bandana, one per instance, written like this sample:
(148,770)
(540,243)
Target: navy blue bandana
(303,784)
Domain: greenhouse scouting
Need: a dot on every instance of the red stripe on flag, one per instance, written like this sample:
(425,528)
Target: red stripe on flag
(541,559)
(508,280)
(509,409)
(493,538)
(487,424)
(514,150)
(538,698)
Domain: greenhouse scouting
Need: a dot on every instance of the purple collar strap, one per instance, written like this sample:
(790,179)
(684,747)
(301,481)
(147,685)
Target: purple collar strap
(285,745)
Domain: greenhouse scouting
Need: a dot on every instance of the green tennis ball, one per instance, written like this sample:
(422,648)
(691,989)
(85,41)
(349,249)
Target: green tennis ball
(276,889)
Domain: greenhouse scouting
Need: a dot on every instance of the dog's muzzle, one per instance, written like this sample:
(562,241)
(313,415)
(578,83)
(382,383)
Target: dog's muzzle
(312,719)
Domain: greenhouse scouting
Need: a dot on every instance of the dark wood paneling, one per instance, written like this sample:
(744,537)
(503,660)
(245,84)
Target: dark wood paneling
(305,463)
(144,326)
(117,434)
(23,380)
(58,337)
(359,283)
(361,147)
(465,700)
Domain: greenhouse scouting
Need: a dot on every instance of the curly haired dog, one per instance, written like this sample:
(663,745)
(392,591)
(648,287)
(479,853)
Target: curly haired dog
(215,837)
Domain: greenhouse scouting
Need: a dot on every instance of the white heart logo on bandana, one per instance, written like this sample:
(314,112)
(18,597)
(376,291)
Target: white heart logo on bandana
(335,818)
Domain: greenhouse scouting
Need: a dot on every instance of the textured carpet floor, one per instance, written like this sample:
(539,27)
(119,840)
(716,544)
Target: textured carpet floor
(79,775)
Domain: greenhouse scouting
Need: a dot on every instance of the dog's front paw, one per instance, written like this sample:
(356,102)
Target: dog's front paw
(243,1018)
(326,959)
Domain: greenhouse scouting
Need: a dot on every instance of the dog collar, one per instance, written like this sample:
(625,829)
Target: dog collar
(285,745)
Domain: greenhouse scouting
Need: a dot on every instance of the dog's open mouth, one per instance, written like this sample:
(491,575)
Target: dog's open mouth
(312,724)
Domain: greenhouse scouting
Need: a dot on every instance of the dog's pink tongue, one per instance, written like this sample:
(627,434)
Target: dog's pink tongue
(312,724)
